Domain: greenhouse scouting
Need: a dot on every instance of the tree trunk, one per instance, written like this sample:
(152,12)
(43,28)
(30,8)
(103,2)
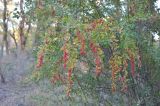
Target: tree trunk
(14,39)
(21,27)
(5,28)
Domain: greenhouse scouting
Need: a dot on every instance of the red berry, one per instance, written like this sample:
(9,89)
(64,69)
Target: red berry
(132,66)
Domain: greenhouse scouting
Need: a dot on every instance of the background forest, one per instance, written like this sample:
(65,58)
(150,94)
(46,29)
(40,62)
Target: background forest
(79,52)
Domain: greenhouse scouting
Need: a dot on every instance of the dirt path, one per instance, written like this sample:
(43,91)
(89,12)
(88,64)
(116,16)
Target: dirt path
(14,70)
(16,92)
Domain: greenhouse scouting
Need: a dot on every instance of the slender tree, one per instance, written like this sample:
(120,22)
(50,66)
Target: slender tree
(21,26)
(5,28)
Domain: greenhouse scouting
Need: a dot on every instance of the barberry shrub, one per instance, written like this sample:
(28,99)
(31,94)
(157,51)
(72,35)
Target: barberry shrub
(63,49)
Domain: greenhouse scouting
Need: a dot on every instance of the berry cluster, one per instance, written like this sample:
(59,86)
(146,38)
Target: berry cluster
(132,62)
(81,39)
(40,60)
(65,56)
(70,81)
(97,61)
(57,77)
